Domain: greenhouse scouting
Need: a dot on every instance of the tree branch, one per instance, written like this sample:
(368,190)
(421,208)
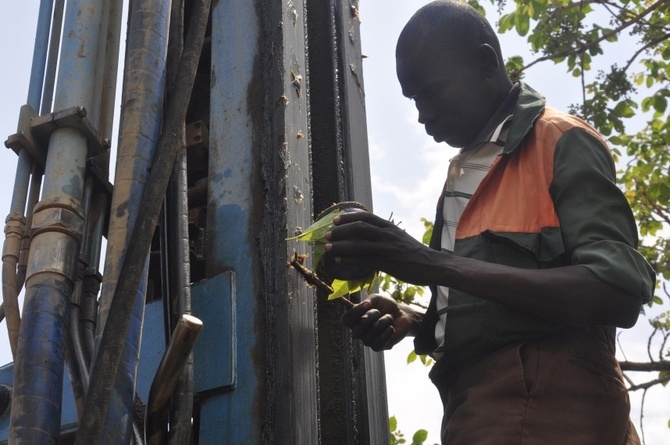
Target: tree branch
(644,48)
(649,384)
(587,45)
(663,365)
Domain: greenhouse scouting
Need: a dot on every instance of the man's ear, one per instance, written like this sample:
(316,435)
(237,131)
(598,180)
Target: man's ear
(488,59)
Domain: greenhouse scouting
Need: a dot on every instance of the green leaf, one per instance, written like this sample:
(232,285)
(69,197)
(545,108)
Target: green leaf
(506,22)
(522,23)
(411,357)
(419,437)
(318,229)
(342,287)
(393,423)
(660,103)
(624,109)
(318,251)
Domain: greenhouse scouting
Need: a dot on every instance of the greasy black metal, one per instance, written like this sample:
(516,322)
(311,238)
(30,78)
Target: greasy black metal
(107,363)
(341,172)
(368,366)
(291,412)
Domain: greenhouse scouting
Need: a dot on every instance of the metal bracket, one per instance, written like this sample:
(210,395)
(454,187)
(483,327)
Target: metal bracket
(34,131)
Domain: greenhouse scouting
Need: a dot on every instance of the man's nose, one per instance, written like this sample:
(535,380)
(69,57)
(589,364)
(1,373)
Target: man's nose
(426,114)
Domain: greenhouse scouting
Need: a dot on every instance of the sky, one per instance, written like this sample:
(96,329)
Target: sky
(407,167)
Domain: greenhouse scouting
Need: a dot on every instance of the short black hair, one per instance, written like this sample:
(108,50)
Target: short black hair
(450,23)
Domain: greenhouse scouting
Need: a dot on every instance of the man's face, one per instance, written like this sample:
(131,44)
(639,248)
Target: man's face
(450,93)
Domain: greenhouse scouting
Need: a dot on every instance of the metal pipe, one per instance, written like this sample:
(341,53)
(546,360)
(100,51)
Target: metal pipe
(16,221)
(118,321)
(40,54)
(57,228)
(166,377)
(140,127)
(52,61)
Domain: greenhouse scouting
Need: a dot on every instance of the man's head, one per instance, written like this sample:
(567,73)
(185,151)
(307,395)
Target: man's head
(448,60)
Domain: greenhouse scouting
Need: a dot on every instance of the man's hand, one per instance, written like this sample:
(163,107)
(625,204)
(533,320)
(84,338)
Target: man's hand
(380,322)
(363,240)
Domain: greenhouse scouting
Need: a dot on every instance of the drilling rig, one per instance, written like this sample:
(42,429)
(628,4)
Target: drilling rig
(157,305)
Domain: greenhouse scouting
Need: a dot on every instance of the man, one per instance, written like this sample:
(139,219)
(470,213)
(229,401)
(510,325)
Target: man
(532,263)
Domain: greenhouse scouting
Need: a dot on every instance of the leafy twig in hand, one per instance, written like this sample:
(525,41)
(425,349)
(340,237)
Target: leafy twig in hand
(297,262)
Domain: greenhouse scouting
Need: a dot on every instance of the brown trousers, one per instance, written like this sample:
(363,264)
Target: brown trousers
(560,390)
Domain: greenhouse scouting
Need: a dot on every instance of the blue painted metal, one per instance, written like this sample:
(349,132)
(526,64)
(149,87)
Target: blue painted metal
(235,35)
(152,352)
(141,117)
(215,352)
(35,415)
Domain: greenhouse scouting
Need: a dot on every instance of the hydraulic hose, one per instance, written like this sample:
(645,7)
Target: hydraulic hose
(179,299)
(140,129)
(75,358)
(112,342)
(180,278)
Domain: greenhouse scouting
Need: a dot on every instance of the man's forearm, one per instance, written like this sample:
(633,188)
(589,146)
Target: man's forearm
(570,294)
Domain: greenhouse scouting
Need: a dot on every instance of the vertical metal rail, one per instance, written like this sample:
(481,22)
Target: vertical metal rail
(140,128)
(57,228)
(351,378)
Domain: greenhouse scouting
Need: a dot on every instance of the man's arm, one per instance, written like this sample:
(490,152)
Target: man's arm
(570,294)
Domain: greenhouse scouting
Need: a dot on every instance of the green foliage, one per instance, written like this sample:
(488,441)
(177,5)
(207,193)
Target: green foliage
(342,287)
(426,360)
(397,436)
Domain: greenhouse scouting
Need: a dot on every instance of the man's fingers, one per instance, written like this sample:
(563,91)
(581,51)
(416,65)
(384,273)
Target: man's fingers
(353,315)
(381,343)
(380,334)
(356,229)
(367,217)
(365,324)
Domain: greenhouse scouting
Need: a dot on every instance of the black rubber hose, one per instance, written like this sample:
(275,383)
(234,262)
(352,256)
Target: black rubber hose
(179,298)
(106,363)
